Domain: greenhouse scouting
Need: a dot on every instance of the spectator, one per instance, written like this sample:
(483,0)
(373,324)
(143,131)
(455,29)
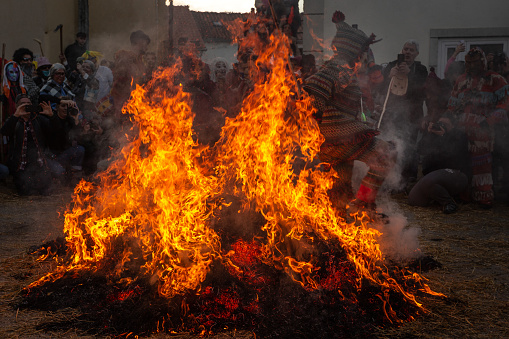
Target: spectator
(129,70)
(26,159)
(460,48)
(43,67)
(441,186)
(75,50)
(63,141)
(347,139)
(444,145)
(12,86)
(56,87)
(404,112)
(89,138)
(86,91)
(445,165)
(480,101)
(103,74)
(24,58)
(150,61)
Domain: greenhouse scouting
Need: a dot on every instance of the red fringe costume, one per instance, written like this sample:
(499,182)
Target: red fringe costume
(481,103)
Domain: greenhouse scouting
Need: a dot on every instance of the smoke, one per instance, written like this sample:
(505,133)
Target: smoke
(399,240)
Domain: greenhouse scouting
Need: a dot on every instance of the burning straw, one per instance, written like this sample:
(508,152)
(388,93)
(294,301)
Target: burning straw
(157,219)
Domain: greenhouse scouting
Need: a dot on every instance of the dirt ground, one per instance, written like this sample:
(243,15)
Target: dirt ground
(471,245)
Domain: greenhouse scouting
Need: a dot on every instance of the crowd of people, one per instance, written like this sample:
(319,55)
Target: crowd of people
(446,136)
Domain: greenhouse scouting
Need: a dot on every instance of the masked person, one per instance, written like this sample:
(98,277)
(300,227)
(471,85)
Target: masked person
(337,97)
(43,67)
(12,86)
(479,100)
(24,58)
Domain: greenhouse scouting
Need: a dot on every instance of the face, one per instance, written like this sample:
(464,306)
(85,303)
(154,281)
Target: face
(59,76)
(81,41)
(24,101)
(44,70)
(12,73)
(141,46)
(87,68)
(473,65)
(27,59)
(62,110)
(287,29)
(150,60)
(410,52)
(220,70)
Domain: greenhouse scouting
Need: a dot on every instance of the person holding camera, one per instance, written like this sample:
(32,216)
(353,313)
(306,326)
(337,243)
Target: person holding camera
(62,142)
(27,130)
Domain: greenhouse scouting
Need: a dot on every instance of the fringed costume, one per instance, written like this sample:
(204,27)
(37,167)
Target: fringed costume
(480,103)
(338,100)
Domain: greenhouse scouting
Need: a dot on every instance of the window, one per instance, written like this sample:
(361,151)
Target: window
(446,47)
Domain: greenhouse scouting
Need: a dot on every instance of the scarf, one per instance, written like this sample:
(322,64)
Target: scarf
(29,128)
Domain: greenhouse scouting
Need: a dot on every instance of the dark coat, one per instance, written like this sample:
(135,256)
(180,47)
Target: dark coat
(412,101)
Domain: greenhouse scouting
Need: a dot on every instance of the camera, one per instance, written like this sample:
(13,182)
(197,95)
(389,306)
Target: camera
(438,126)
(33,109)
(72,111)
(401,58)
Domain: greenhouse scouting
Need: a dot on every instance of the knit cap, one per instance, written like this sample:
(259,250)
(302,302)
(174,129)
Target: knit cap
(349,42)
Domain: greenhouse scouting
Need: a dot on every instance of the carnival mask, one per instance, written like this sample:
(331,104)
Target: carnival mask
(12,72)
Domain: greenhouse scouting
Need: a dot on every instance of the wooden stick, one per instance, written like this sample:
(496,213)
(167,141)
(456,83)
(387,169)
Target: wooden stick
(2,104)
(274,18)
(61,42)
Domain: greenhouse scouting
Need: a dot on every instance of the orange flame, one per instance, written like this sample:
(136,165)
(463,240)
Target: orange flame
(157,202)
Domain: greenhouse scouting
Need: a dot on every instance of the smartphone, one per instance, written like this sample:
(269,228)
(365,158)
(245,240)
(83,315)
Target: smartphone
(401,58)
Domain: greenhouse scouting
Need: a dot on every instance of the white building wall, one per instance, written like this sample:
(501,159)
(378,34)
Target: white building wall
(396,21)
(223,50)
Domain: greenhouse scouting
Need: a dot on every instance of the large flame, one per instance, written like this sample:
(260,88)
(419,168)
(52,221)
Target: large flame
(157,202)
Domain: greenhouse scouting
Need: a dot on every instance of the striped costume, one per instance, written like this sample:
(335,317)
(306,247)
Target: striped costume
(338,98)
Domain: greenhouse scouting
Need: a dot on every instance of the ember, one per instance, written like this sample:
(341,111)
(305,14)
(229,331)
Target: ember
(149,248)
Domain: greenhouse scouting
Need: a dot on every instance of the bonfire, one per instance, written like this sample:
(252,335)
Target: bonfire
(240,235)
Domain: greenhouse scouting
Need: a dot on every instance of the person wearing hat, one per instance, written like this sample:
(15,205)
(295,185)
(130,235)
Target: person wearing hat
(129,69)
(480,101)
(43,67)
(337,96)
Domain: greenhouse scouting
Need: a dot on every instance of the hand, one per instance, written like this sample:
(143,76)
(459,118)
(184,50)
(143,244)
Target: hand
(459,48)
(98,130)
(69,103)
(46,109)
(21,112)
(440,132)
(62,58)
(79,67)
(403,68)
